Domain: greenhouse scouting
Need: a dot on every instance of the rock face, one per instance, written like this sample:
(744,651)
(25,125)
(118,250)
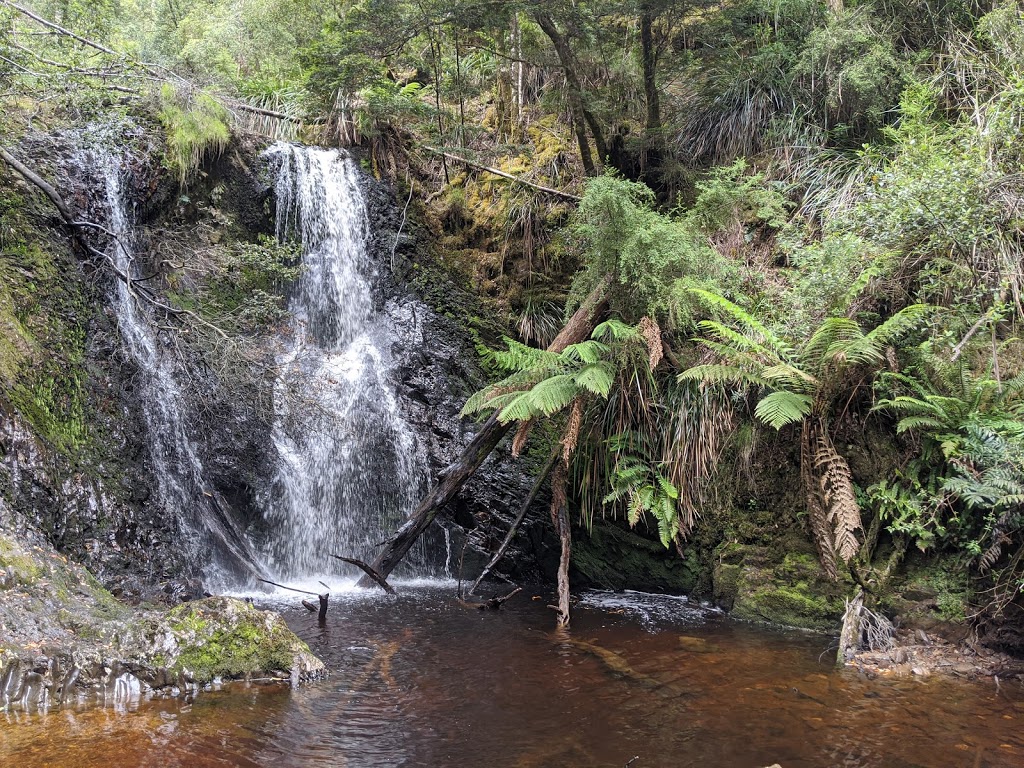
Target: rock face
(757,584)
(63,638)
(436,369)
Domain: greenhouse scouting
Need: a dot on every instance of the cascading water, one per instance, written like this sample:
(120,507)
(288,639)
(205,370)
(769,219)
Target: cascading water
(209,535)
(349,466)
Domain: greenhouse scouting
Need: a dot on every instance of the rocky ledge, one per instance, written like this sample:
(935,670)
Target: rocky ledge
(64,639)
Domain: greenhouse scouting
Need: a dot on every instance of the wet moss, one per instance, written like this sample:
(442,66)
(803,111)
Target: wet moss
(43,316)
(226,638)
(17,567)
(779,587)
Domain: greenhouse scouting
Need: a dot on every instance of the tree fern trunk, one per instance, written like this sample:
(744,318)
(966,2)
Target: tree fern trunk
(815,505)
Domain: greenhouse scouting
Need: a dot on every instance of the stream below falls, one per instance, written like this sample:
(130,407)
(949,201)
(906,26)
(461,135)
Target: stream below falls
(420,680)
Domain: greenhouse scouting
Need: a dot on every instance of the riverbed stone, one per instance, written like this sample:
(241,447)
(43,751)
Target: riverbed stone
(221,637)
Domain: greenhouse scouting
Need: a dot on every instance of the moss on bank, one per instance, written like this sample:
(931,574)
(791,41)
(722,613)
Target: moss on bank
(43,319)
(615,558)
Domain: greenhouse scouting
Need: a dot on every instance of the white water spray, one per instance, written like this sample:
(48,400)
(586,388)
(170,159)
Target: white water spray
(349,465)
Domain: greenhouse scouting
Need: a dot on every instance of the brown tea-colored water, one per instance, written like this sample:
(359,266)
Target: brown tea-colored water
(420,680)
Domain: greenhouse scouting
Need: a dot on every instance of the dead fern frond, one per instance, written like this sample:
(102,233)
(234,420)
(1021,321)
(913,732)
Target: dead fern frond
(572,431)
(823,538)
(651,333)
(521,436)
(836,482)
(991,555)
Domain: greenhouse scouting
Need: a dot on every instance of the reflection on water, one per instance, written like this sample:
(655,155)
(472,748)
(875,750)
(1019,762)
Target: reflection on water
(420,680)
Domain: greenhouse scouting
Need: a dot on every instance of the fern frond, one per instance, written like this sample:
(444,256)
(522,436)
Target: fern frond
(585,352)
(783,407)
(596,378)
(773,340)
(789,377)
(734,340)
(553,394)
(614,329)
(520,357)
(830,331)
(917,422)
(721,374)
(900,324)
(519,408)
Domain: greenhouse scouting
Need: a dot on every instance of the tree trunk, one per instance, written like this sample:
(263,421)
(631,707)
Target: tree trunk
(579,327)
(571,66)
(649,56)
(560,521)
(500,552)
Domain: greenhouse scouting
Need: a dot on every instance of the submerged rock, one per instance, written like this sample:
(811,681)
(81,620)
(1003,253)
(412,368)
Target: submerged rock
(65,639)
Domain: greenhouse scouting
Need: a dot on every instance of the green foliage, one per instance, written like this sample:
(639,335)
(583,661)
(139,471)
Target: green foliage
(730,196)
(851,72)
(650,257)
(800,379)
(196,125)
(966,487)
(542,383)
(641,486)
(242,291)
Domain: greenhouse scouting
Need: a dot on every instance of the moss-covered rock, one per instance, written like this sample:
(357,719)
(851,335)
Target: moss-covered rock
(931,596)
(792,591)
(63,637)
(222,637)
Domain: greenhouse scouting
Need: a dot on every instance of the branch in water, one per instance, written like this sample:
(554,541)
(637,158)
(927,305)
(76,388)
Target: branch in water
(369,571)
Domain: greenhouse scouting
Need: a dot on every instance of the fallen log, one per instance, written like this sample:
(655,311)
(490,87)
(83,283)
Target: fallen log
(579,328)
(504,175)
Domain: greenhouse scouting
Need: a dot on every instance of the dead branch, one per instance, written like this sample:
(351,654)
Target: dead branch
(507,541)
(503,174)
(290,589)
(369,571)
(77,227)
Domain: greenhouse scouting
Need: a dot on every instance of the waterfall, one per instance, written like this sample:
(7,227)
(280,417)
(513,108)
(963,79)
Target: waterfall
(208,535)
(349,466)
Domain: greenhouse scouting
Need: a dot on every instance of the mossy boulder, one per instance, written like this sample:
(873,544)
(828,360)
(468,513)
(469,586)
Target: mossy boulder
(64,638)
(932,597)
(792,591)
(613,557)
(222,637)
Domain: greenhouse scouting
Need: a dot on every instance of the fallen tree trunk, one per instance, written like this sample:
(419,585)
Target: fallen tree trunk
(503,174)
(579,328)
(369,571)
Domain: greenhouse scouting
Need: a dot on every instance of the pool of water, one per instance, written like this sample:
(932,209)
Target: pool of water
(420,680)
